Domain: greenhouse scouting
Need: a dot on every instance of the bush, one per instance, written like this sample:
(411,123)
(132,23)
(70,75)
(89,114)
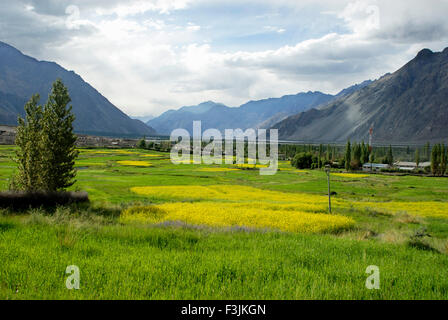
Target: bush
(25,200)
(141,144)
(302,161)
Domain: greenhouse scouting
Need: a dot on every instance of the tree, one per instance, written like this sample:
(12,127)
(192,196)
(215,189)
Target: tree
(364,153)
(417,157)
(58,140)
(348,156)
(142,143)
(428,151)
(357,152)
(443,160)
(303,160)
(29,155)
(319,162)
(390,156)
(435,160)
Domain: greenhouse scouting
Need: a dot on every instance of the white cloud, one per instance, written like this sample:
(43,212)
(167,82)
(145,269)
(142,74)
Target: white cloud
(139,7)
(146,61)
(192,27)
(274,29)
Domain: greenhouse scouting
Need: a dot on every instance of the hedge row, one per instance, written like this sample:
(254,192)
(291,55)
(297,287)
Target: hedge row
(24,200)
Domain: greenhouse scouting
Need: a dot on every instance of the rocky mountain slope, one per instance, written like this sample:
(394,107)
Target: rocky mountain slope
(408,106)
(22,76)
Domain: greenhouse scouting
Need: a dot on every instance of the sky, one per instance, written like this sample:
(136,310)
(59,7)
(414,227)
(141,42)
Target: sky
(150,56)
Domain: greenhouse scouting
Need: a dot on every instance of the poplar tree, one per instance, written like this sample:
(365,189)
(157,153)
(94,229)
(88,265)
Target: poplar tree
(417,157)
(357,153)
(348,156)
(58,140)
(443,160)
(321,150)
(29,154)
(390,156)
(435,160)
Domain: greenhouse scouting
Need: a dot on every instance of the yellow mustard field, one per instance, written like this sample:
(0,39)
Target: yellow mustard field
(152,155)
(233,205)
(218,170)
(246,165)
(422,208)
(230,193)
(235,215)
(134,163)
(245,197)
(110,151)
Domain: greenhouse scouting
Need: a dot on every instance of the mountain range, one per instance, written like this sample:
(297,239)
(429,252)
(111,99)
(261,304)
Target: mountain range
(22,76)
(260,114)
(408,106)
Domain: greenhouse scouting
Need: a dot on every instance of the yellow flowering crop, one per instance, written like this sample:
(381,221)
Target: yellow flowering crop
(246,165)
(423,208)
(135,163)
(231,215)
(218,170)
(109,151)
(292,169)
(227,192)
(152,155)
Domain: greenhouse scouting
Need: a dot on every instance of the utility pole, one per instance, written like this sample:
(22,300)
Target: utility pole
(328,170)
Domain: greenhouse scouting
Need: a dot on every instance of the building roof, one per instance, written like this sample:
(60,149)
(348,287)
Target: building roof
(405,164)
(412,164)
(375,165)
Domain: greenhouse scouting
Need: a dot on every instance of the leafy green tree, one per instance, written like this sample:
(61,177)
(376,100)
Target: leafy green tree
(357,152)
(58,140)
(303,160)
(365,153)
(443,160)
(427,151)
(321,150)
(29,153)
(435,160)
(390,156)
(348,156)
(142,143)
(417,157)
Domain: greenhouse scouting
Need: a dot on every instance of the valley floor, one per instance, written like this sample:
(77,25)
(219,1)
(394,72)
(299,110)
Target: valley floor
(155,230)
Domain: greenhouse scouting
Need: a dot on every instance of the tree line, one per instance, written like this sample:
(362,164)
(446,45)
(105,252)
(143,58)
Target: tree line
(354,155)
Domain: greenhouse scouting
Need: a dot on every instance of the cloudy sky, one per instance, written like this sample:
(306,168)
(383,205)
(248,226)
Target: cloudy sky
(151,56)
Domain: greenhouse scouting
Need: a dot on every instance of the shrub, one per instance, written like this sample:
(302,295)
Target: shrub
(25,200)
(302,161)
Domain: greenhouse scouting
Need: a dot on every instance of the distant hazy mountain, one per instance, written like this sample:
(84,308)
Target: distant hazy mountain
(22,76)
(254,114)
(143,119)
(408,106)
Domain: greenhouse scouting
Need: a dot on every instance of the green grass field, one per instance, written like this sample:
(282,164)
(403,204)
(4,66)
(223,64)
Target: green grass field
(150,256)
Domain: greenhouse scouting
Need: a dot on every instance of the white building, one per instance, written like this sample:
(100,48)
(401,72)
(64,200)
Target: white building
(411,166)
(374,167)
